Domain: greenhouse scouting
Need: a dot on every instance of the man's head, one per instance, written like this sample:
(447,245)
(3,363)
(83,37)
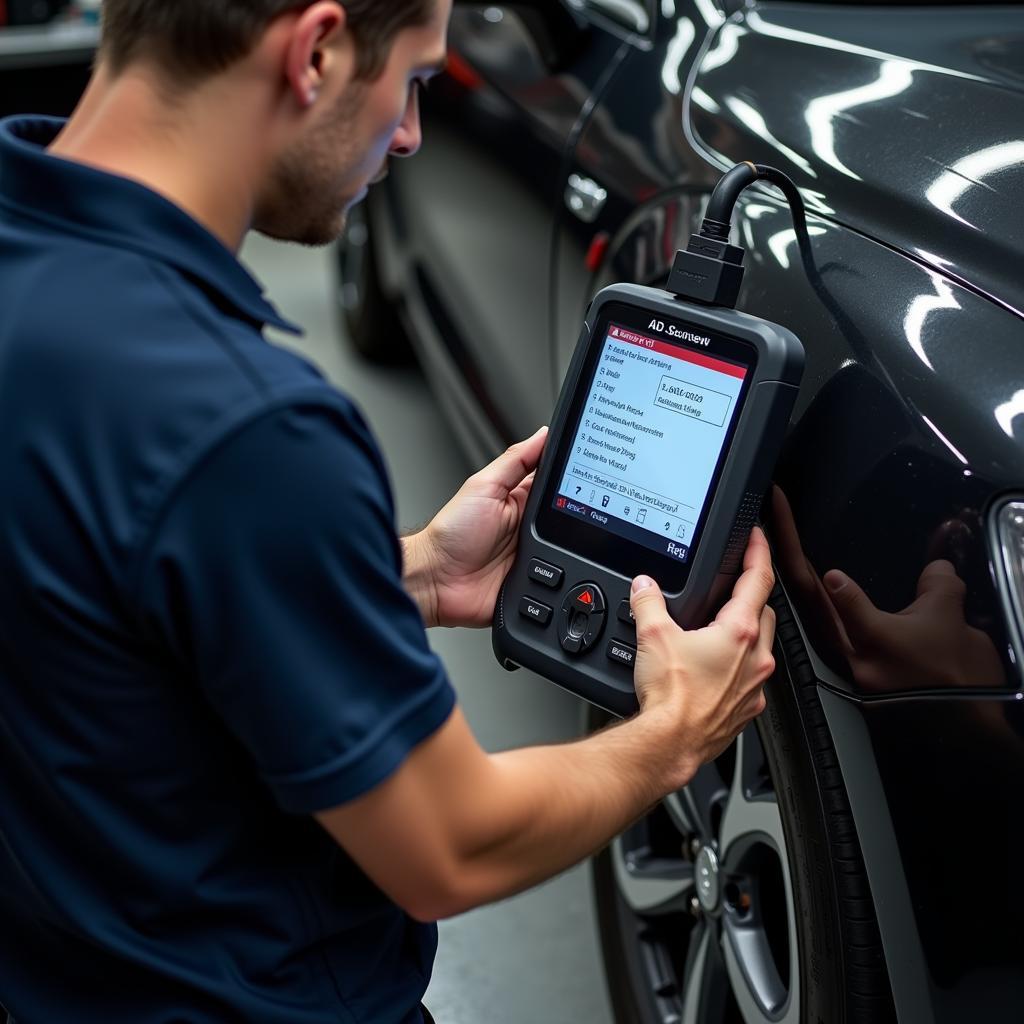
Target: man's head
(343,78)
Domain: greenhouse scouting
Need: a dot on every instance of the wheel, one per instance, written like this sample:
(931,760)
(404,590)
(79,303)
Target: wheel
(742,899)
(369,319)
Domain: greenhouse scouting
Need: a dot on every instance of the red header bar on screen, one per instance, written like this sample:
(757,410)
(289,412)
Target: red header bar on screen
(664,348)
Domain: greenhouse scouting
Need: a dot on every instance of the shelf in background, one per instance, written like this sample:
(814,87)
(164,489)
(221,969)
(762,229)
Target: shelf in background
(58,43)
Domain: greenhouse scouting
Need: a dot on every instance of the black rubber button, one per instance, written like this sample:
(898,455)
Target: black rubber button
(531,609)
(622,653)
(581,618)
(544,572)
(571,644)
(625,614)
(578,624)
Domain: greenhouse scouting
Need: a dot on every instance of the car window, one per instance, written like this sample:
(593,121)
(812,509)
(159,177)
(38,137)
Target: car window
(634,15)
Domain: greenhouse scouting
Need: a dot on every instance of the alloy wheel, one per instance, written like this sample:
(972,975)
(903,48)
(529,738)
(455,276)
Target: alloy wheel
(706,879)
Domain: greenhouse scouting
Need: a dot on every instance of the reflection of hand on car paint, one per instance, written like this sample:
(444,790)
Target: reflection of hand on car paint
(928,644)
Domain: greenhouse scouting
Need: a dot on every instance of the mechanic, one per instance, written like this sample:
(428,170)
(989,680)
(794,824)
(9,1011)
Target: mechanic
(235,781)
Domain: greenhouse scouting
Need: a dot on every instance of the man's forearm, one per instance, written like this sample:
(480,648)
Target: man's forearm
(547,808)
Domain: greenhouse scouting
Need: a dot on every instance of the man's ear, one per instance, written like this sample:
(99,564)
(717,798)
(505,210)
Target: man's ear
(319,45)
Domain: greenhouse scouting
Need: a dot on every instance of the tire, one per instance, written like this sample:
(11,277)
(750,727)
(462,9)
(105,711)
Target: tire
(368,318)
(792,938)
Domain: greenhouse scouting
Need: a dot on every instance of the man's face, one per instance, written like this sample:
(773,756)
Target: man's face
(350,136)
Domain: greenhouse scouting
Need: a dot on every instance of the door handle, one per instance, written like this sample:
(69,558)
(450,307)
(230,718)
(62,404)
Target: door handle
(585,198)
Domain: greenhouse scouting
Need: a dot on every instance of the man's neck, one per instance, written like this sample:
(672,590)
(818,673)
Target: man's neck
(196,151)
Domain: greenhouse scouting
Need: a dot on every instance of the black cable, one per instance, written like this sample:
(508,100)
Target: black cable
(723,199)
(710,269)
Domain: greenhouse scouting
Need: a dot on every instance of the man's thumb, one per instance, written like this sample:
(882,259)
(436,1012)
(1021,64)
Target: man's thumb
(509,469)
(647,602)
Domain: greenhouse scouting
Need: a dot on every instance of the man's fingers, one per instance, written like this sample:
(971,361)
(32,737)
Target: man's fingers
(510,468)
(757,552)
(765,663)
(753,588)
(753,706)
(649,610)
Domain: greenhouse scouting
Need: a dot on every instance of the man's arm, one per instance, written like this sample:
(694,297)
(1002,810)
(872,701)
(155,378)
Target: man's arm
(455,828)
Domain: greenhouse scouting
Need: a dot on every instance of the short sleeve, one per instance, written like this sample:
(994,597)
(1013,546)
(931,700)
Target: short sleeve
(273,578)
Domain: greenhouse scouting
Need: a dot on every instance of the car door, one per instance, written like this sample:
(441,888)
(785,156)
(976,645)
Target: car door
(476,206)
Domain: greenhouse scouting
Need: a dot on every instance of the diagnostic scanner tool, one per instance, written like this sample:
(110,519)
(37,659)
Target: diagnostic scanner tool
(662,445)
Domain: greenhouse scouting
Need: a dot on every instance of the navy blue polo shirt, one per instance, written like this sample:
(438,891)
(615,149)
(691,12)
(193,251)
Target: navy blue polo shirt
(203,632)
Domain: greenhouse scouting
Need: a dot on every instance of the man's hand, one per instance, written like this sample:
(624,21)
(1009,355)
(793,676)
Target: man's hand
(454,827)
(456,565)
(708,682)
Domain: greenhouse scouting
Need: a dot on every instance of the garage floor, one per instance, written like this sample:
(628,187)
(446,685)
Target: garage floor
(533,958)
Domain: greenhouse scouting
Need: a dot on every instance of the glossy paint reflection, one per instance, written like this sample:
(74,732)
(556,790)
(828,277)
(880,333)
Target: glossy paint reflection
(884,486)
(970,172)
(927,645)
(894,77)
(923,154)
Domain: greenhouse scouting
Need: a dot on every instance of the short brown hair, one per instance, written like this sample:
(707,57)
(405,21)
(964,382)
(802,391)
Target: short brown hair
(192,39)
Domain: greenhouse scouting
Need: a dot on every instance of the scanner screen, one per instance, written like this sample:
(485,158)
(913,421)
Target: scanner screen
(650,438)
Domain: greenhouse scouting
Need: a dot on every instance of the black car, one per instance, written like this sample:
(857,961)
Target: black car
(853,857)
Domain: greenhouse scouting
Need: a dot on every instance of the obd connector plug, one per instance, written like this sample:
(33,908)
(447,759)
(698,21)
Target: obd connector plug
(710,268)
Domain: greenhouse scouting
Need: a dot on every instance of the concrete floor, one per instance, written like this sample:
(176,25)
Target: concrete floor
(533,958)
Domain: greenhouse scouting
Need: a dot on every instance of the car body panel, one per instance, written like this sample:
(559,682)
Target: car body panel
(907,127)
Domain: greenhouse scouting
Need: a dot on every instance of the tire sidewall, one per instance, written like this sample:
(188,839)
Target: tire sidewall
(818,830)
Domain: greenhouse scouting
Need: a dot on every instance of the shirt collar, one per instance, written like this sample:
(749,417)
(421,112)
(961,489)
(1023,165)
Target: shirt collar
(120,212)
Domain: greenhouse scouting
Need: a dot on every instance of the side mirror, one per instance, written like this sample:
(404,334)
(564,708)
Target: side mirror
(557,31)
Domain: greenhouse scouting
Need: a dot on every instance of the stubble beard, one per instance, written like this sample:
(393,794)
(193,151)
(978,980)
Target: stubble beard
(305,202)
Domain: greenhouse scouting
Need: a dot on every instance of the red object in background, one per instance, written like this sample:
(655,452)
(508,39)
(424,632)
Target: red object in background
(459,68)
(596,252)
(3,12)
